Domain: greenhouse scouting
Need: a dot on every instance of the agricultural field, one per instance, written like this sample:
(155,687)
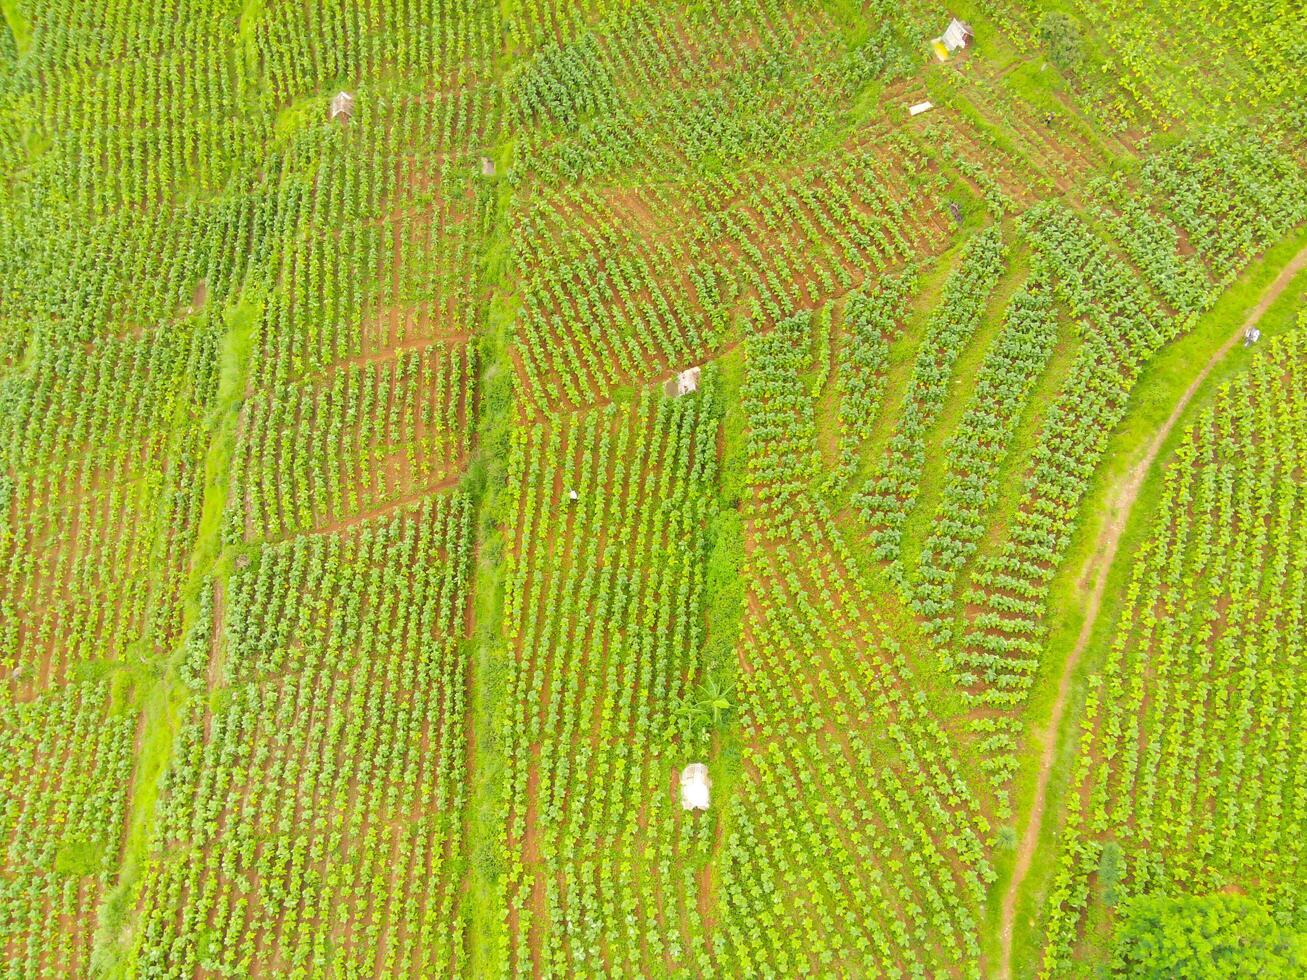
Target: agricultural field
(429,428)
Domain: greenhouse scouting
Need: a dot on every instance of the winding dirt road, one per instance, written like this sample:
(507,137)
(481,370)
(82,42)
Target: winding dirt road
(1119,505)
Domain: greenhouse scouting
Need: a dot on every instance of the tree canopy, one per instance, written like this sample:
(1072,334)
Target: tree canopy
(1214,936)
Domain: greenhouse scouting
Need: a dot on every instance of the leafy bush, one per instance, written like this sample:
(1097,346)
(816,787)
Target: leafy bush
(1212,937)
(1060,35)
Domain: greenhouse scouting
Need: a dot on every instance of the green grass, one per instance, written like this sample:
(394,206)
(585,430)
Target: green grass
(724,586)
(733,475)
(483,910)
(299,115)
(903,349)
(78,858)
(988,43)
(18,26)
(1012,473)
(249,18)
(943,94)
(1040,84)
(1158,390)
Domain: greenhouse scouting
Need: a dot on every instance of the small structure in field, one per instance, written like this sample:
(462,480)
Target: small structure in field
(695,787)
(487,167)
(1251,336)
(955,38)
(342,107)
(919,108)
(683,383)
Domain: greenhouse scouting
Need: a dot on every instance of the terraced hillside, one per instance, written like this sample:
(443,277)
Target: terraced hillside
(368,577)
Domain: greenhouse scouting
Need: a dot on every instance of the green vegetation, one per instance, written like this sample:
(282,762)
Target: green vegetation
(368,579)
(1060,35)
(1210,937)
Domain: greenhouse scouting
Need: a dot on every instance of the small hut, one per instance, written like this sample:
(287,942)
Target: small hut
(684,383)
(342,107)
(955,38)
(957,35)
(695,787)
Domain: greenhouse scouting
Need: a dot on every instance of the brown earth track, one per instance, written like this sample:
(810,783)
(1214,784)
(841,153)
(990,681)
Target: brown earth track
(448,481)
(1120,504)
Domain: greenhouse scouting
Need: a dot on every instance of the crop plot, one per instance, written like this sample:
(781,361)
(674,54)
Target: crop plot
(1202,688)
(67,763)
(603,608)
(380,433)
(104,451)
(331,759)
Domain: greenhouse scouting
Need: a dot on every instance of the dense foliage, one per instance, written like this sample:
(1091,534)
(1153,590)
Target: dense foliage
(1210,937)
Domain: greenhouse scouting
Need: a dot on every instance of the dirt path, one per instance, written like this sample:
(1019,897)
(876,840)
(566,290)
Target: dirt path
(1099,563)
(447,482)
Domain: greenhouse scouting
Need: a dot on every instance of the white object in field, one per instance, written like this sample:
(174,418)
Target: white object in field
(684,383)
(487,167)
(956,36)
(342,106)
(573,496)
(695,787)
(1251,337)
(919,108)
